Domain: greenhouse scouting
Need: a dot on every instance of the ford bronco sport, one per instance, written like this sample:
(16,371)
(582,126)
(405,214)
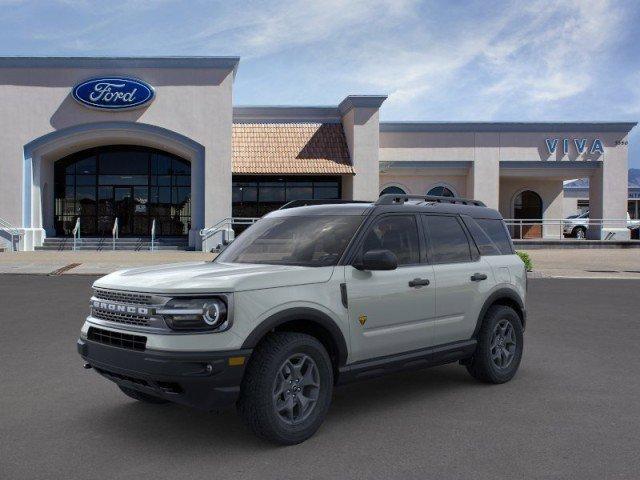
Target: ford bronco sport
(310,297)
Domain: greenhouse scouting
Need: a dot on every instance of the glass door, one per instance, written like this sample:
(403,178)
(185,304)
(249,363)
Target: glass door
(123,208)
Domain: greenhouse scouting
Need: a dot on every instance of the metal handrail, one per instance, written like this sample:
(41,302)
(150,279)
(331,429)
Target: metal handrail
(206,233)
(153,235)
(549,225)
(76,234)
(115,233)
(12,231)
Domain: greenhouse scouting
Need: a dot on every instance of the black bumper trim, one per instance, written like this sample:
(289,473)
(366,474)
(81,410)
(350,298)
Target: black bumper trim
(203,380)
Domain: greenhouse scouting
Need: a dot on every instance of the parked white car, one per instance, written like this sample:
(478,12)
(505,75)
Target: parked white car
(577,225)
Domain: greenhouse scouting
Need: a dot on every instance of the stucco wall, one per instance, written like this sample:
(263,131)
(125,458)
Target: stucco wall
(421,184)
(193,102)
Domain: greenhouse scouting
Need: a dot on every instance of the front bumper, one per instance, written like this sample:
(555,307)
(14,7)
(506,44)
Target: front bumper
(204,380)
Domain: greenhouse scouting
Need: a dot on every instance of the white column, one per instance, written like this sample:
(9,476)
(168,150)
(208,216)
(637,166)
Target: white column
(608,192)
(360,121)
(483,180)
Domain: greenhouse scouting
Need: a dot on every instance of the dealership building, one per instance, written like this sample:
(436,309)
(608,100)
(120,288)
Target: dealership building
(158,141)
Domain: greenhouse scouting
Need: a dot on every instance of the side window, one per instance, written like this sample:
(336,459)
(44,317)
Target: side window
(448,241)
(497,232)
(397,233)
(485,244)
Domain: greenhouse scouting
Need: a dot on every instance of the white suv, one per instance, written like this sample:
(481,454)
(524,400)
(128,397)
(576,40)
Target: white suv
(310,297)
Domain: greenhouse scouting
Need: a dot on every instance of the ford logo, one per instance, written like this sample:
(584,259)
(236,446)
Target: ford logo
(113,93)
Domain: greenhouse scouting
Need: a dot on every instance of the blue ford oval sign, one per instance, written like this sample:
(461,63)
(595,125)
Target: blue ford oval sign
(113,93)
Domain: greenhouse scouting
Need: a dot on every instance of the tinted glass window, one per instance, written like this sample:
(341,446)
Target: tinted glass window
(448,241)
(496,231)
(485,244)
(313,241)
(398,234)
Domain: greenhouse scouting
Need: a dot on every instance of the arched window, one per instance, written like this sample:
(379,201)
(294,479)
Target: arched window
(393,190)
(441,191)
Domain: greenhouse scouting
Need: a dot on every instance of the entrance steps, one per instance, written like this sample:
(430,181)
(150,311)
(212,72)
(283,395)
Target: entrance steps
(142,244)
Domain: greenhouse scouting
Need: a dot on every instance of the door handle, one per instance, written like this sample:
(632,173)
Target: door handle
(419,282)
(476,277)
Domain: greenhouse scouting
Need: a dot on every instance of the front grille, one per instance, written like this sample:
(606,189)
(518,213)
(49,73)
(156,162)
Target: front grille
(123,297)
(117,339)
(127,318)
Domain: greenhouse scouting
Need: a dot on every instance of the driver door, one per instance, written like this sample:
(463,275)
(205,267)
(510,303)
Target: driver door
(387,314)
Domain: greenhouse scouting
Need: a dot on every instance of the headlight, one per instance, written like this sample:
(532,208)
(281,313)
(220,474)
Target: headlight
(195,314)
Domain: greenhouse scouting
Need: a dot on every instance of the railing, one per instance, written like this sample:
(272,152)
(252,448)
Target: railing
(152,248)
(76,234)
(13,233)
(115,233)
(224,226)
(562,228)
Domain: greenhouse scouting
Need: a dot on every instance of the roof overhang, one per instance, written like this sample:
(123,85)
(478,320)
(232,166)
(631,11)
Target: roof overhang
(542,127)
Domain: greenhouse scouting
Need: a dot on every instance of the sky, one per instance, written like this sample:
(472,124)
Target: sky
(441,60)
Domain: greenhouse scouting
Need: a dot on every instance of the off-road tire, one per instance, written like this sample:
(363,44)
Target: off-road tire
(256,404)
(141,396)
(481,366)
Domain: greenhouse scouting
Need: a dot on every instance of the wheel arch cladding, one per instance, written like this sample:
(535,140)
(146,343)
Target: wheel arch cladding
(304,320)
(505,297)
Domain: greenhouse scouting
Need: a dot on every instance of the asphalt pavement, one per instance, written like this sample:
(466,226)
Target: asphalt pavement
(573,410)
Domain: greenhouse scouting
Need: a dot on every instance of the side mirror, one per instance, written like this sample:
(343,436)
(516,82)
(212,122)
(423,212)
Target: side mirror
(378,260)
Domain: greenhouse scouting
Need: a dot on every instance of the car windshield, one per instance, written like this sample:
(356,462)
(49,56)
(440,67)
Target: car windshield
(312,241)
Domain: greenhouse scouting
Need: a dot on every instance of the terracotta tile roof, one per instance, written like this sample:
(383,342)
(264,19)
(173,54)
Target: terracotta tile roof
(294,148)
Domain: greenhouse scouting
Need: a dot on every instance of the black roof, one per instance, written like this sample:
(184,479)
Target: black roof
(410,205)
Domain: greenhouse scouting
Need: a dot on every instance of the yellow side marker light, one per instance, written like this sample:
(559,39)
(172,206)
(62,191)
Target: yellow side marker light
(236,361)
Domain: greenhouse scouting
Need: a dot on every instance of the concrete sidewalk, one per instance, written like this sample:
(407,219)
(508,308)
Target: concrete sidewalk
(586,263)
(47,262)
(550,263)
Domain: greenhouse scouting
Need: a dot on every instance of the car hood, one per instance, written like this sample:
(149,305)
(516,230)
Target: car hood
(205,277)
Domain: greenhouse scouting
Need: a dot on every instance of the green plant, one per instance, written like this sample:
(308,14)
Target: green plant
(528,264)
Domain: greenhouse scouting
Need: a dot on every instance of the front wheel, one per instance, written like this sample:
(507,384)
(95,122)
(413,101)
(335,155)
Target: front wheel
(286,390)
(500,344)
(580,233)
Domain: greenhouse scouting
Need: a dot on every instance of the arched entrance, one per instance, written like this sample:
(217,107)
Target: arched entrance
(527,205)
(134,184)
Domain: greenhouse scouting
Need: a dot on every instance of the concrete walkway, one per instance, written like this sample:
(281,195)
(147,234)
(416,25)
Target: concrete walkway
(48,262)
(551,263)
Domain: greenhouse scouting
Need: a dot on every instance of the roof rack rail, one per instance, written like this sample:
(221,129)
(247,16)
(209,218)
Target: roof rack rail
(305,203)
(392,198)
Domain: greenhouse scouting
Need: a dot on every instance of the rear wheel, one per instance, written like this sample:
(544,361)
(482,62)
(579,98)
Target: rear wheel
(286,390)
(500,343)
(141,396)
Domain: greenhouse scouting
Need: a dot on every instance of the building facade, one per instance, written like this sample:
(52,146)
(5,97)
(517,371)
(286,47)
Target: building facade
(157,141)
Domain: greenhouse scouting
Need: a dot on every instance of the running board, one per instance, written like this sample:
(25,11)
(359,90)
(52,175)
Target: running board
(416,359)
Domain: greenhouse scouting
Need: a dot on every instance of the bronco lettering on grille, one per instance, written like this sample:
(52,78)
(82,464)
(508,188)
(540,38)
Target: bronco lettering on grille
(119,308)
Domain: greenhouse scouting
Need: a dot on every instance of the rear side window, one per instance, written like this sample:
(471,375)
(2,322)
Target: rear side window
(447,240)
(496,230)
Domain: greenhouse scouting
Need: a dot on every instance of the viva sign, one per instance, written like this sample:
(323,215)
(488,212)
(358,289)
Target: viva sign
(580,144)
(113,93)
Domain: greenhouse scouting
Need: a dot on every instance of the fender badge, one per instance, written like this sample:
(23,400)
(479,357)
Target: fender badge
(362,319)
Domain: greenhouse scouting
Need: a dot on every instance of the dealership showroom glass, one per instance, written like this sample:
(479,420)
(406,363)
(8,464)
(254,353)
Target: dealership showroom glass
(158,141)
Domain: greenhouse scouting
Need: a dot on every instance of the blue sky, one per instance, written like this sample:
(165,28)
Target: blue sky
(437,60)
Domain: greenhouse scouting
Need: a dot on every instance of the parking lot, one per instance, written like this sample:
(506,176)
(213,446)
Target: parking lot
(573,410)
